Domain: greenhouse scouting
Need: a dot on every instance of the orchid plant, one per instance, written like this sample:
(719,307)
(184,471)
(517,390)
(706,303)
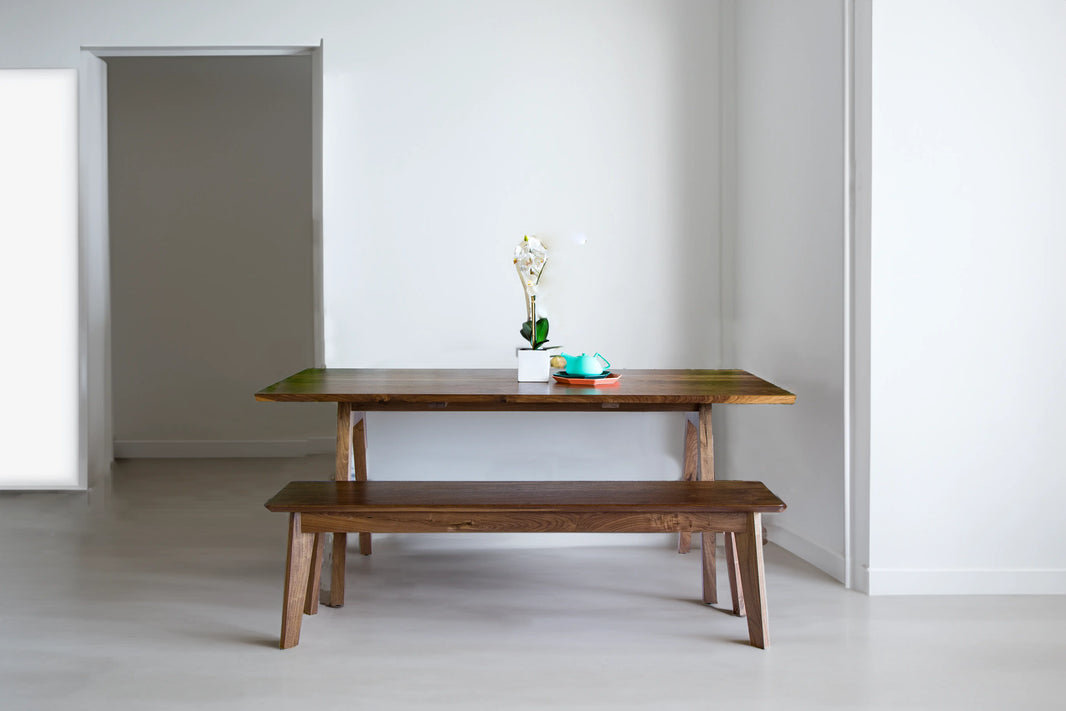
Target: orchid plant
(530,258)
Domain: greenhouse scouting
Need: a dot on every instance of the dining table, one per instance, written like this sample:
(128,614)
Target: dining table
(358,391)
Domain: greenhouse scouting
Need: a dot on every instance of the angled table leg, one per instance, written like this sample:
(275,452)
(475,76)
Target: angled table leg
(704,434)
(732,561)
(358,457)
(314,579)
(340,540)
(705,467)
(351,458)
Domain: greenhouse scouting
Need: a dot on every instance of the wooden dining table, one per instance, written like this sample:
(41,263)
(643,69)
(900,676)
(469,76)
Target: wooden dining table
(357,391)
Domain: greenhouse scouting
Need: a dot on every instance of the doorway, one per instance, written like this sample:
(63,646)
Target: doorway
(213,271)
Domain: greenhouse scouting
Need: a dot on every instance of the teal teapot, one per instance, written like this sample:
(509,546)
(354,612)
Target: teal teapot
(585,364)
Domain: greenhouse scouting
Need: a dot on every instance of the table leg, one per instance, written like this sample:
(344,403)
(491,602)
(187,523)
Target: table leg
(732,561)
(314,580)
(340,540)
(705,472)
(705,459)
(684,539)
(359,465)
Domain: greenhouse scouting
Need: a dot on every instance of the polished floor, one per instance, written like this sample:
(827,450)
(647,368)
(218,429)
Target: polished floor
(164,592)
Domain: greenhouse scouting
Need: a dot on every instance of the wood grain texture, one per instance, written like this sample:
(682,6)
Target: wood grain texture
(480,521)
(344,442)
(526,496)
(358,446)
(297,571)
(732,561)
(314,580)
(749,551)
(706,444)
(688,473)
(473,389)
(735,507)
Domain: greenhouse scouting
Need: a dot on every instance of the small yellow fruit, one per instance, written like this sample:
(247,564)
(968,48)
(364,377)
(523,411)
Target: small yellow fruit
(558,362)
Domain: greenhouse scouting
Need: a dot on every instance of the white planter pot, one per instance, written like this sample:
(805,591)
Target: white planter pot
(534,366)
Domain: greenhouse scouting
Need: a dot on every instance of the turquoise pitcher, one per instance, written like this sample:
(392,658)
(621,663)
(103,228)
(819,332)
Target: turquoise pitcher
(585,364)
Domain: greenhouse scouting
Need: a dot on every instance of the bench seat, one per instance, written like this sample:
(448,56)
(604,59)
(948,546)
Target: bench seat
(317,507)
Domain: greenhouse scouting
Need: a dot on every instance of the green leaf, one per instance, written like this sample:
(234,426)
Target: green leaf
(541,335)
(542,332)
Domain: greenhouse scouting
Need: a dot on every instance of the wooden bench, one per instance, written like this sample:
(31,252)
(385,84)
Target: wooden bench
(317,507)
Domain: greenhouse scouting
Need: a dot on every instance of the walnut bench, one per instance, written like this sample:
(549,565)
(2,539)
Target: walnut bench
(317,507)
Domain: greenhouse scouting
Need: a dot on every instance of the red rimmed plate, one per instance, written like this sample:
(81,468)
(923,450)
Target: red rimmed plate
(608,379)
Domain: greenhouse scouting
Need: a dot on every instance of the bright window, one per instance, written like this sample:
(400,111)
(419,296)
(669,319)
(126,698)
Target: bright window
(39,359)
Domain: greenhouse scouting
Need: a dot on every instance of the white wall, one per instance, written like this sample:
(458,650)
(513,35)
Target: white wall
(467,125)
(967,345)
(452,129)
(210,248)
(471,124)
(785,321)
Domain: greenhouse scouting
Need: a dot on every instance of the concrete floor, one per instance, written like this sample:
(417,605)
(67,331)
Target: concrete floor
(165,593)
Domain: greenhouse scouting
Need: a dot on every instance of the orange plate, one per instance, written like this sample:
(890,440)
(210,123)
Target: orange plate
(611,379)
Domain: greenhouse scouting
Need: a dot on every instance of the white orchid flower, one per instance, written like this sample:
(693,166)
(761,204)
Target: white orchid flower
(530,258)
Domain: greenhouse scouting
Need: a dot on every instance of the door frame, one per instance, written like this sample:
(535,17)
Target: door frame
(96,431)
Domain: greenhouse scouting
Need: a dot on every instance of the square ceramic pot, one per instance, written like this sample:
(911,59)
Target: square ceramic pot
(534,365)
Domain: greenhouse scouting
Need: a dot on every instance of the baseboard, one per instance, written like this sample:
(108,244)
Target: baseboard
(993,581)
(829,562)
(221,449)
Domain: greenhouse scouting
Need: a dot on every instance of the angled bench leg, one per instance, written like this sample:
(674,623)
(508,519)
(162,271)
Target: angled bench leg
(749,552)
(297,571)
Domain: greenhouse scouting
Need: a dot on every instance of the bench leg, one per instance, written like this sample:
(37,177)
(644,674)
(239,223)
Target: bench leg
(297,571)
(749,550)
(314,580)
(684,539)
(731,561)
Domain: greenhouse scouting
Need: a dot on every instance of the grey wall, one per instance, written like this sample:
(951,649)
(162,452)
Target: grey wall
(785,321)
(210,192)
